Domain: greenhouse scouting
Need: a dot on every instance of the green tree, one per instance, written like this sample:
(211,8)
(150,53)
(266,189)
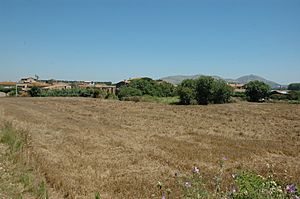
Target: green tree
(35,91)
(221,92)
(146,85)
(256,91)
(186,95)
(204,90)
(127,91)
(294,87)
(165,89)
(187,91)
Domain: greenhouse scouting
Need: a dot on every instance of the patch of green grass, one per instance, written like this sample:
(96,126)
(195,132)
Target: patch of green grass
(41,191)
(12,138)
(97,196)
(17,171)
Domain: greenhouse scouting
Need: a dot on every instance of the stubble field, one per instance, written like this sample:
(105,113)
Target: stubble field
(121,149)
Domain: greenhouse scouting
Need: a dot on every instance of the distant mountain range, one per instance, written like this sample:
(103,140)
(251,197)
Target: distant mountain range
(242,80)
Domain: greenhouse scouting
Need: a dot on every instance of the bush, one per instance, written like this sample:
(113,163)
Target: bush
(96,93)
(239,94)
(35,91)
(256,91)
(294,87)
(186,95)
(127,91)
(278,97)
(7,90)
(111,96)
(151,87)
(221,92)
(204,92)
(294,95)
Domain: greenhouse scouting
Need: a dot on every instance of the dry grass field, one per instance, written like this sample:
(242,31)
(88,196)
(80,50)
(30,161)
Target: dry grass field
(121,149)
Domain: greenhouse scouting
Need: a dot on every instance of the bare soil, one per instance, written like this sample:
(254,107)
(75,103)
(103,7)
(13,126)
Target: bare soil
(121,149)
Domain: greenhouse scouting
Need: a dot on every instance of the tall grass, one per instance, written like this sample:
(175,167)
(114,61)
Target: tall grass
(21,172)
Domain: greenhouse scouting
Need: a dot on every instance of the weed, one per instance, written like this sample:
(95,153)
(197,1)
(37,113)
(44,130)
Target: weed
(12,138)
(97,196)
(41,191)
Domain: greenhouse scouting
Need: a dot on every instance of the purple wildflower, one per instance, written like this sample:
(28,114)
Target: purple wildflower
(195,170)
(291,188)
(225,158)
(187,184)
(163,197)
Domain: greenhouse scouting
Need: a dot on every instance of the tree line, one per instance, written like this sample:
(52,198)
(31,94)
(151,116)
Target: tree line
(204,90)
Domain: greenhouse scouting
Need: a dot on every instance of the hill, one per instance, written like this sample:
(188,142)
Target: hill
(242,80)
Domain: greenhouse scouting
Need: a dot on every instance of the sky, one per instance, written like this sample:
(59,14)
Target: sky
(112,40)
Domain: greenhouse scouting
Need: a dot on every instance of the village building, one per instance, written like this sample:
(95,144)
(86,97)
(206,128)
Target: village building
(58,86)
(238,87)
(28,80)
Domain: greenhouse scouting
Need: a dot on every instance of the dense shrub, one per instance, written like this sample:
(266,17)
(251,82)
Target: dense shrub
(278,97)
(35,91)
(111,96)
(239,94)
(204,93)
(186,95)
(127,91)
(74,92)
(221,92)
(294,95)
(6,90)
(96,93)
(204,90)
(147,86)
(294,87)
(256,91)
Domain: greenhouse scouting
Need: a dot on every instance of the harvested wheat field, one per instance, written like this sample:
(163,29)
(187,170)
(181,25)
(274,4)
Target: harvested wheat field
(121,149)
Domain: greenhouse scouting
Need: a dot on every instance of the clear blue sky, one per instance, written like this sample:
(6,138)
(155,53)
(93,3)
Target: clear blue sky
(111,40)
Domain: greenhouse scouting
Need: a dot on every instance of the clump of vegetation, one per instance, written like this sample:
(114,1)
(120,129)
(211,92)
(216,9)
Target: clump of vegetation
(204,90)
(127,91)
(146,86)
(294,87)
(12,138)
(257,91)
(294,95)
(20,172)
(97,196)
(35,91)
(7,90)
(73,92)
(246,185)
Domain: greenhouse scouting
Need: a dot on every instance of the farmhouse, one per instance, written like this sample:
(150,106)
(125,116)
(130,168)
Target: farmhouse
(238,87)
(104,87)
(28,80)
(58,86)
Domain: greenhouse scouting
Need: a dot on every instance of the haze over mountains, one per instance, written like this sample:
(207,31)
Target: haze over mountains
(177,79)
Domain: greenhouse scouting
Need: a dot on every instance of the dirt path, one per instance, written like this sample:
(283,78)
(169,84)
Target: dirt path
(121,149)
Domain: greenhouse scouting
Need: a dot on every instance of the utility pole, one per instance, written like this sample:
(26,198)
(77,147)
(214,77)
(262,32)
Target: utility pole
(16,89)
